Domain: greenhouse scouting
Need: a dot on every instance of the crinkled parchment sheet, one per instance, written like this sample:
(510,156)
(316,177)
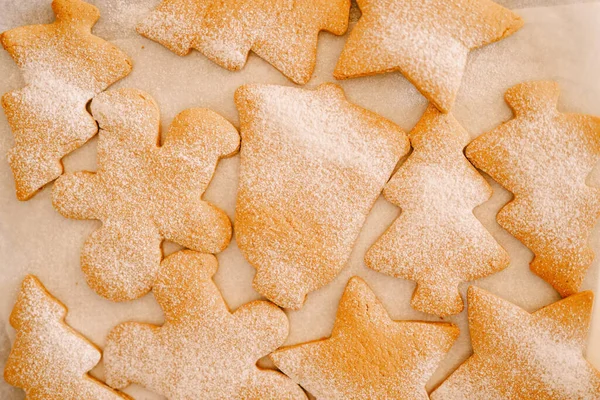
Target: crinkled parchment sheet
(560,41)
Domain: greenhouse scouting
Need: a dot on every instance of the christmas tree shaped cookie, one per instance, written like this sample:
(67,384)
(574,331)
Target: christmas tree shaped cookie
(368,356)
(64,66)
(437,241)
(202,350)
(312,166)
(49,360)
(282,32)
(144,193)
(544,158)
(522,356)
(428,41)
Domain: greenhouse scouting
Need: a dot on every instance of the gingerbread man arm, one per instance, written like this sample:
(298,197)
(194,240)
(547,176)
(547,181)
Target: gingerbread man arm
(197,139)
(78,195)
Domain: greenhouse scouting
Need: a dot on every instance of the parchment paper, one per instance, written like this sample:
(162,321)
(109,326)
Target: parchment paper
(560,41)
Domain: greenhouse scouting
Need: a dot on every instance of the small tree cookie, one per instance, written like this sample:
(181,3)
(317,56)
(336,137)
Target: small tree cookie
(544,158)
(144,193)
(202,349)
(428,41)
(312,166)
(49,360)
(282,32)
(523,356)
(368,356)
(64,66)
(437,241)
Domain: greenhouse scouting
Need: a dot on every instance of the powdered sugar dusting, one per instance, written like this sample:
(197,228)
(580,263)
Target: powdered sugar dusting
(283,32)
(48,359)
(312,166)
(427,40)
(544,158)
(202,348)
(144,193)
(368,356)
(64,66)
(437,241)
(520,355)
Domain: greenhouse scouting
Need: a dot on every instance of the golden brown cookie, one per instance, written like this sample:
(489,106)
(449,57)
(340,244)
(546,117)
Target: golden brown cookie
(544,158)
(437,241)
(64,66)
(49,360)
(428,41)
(523,356)
(368,356)
(145,193)
(312,166)
(202,350)
(282,32)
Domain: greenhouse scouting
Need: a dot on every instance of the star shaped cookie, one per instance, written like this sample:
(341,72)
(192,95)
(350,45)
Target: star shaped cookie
(202,350)
(49,360)
(522,356)
(312,166)
(544,157)
(437,241)
(64,66)
(145,193)
(428,41)
(368,356)
(282,32)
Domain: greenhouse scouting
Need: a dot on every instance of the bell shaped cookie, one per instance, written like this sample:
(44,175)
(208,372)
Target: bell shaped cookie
(312,166)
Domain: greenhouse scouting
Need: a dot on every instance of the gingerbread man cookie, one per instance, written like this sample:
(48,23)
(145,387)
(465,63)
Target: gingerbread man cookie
(544,158)
(282,32)
(437,241)
(312,166)
(522,356)
(428,41)
(368,356)
(202,349)
(144,193)
(49,360)
(64,66)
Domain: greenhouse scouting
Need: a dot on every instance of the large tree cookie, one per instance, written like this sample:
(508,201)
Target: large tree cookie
(145,193)
(523,356)
(312,166)
(437,241)
(282,32)
(368,356)
(64,66)
(202,350)
(544,158)
(428,41)
(49,360)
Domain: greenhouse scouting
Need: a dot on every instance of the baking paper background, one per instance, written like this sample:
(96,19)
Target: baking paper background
(560,41)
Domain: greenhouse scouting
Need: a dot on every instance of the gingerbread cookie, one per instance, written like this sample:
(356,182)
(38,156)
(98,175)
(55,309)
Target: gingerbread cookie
(518,355)
(544,158)
(312,166)
(437,241)
(144,193)
(64,66)
(428,41)
(368,356)
(282,32)
(202,349)
(49,360)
